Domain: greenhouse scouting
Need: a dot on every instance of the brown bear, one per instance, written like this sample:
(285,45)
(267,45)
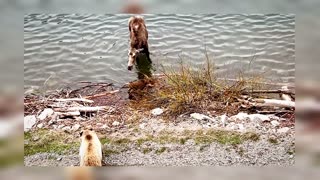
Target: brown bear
(138,40)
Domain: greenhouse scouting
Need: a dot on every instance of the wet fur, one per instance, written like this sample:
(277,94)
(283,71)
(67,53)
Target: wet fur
(138,38)
(90,149)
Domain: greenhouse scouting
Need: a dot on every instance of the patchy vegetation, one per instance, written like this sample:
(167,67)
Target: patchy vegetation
(186,89)
(61,142)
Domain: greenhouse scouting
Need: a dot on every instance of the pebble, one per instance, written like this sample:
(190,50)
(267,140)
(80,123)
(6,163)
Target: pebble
(283,130)
(76,127)
(67,128)
(241,127)
(156,111)
(40,125)
(275,123)
(115,123)
(105,126)
(59,159)
(29,121)
(61,126)
(142,125)
(223,119)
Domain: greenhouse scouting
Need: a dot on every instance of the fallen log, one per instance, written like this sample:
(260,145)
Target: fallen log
(273,102)
(101,94)
(75,99)
(81,109)
(74,113)
(278,91)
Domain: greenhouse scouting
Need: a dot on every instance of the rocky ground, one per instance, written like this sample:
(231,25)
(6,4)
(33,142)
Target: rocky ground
(190,140)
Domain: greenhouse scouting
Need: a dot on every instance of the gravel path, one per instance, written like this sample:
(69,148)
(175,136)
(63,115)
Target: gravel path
(249,153)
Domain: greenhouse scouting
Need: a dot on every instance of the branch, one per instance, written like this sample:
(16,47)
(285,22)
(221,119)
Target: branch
(102,94)
(75,99)
(81,109)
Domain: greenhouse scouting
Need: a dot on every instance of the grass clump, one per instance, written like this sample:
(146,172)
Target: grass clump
(161,150)
(273,141)
(187,88)
(146,150)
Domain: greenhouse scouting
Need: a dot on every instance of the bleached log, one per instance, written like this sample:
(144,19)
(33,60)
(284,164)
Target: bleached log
(273,102)
(81,109)
(75,99)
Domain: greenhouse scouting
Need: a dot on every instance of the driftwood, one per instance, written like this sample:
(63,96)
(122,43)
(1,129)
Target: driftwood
(273,102)
(75,99)
(81,109)
(74,113)
(265,83)
(270,91)
(101,94)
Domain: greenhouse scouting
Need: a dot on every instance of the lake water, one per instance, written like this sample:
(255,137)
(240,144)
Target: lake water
(62,49)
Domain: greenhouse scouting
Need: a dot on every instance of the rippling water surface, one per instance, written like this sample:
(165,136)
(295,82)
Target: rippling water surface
(65,48)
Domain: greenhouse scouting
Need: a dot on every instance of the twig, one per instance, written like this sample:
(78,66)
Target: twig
(101,94)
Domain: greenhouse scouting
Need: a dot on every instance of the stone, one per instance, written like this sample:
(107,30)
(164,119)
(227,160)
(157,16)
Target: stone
(76,127)
(241,116)
(105,126)
(156,111)
(259,117)
(199,116)
(142,125)
(275,123)
(61,126)
(115,123)
(45,113)
(29,121)
(66,129)
(223,120)
(59,158)
(241,127)
(283,130)
(40,125)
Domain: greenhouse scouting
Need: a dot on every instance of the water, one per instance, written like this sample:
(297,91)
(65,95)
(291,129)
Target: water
(66,48)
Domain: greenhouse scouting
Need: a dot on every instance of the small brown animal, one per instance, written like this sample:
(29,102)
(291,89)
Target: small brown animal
(138,39)
(90,149)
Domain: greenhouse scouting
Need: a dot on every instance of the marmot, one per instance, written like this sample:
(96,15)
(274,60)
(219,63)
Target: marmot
(90,150)
(138,39)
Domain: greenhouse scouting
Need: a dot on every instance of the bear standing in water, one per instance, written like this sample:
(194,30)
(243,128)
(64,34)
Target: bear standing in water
(138,42)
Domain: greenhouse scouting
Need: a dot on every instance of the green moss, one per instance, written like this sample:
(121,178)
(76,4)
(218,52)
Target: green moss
(183,140)
(122,141)
(109,152)
(240,151)
(273,141)
(222,137)
(140,141)
(41,141)
(161,150)
(146,150)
